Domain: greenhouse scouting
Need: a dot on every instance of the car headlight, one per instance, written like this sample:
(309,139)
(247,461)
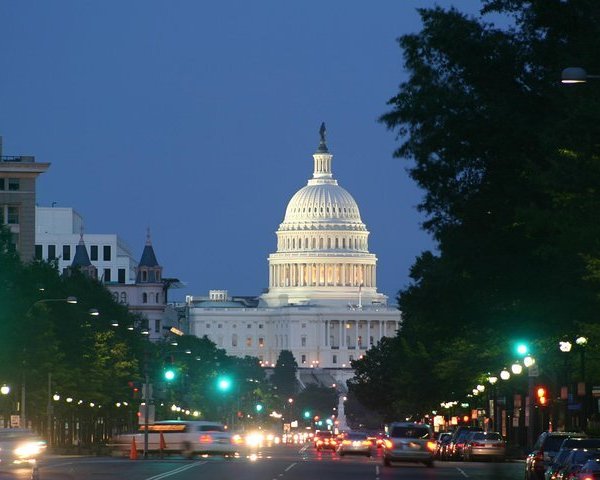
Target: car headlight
(29,449)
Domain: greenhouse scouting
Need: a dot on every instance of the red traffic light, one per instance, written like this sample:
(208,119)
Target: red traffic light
(542,396)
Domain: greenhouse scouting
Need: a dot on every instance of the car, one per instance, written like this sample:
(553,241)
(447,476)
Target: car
(442,441)
(188,437)
(575,460)
(408,442)
(457,441)
(565,448)
(18,446)
(544,450)
(590,470)
(484,445)
(354,443)
(376,439)
(325,440)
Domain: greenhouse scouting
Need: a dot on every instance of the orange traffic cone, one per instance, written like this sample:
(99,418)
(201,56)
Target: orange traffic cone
(162,444)
(133,455)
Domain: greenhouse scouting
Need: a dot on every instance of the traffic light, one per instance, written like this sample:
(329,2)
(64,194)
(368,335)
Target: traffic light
(541,396)
(169,374)
(306,414)
(224,384)
(135,389)
(522,348)
(259,407)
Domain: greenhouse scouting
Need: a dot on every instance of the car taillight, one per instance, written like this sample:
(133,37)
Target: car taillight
(205,439)
(237,439)
(388,444)
(319,442)
(477,444)
(347,442)
(332,442)
(367,442)
(431,445)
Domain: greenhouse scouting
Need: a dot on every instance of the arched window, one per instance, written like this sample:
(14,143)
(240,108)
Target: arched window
(115,296)
(314,243)
(337,243)
(328,243)
(234,340)
(144,297)
(343,243)
(157,298)
(321,243)
(123,297)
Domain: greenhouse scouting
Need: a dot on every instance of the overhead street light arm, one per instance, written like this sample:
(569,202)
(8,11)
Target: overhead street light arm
(576,75)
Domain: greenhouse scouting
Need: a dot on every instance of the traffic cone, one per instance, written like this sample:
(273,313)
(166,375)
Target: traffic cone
(133,455)
(162,444)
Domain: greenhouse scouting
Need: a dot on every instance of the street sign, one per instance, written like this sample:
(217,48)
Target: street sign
(596,390)
(534,370)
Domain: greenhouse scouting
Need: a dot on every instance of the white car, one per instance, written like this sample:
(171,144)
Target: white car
(185,437)
(19,446)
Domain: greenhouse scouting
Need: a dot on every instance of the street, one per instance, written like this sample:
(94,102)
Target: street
(297,462)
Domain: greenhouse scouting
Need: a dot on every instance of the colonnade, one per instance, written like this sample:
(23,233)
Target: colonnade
(361,334)
(322,274)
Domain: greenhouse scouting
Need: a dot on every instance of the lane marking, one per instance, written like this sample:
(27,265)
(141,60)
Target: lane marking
(290,467)
(376,472)
(463,473)
(176,471)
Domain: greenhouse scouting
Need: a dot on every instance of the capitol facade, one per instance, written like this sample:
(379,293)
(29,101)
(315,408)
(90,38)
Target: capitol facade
(322,302)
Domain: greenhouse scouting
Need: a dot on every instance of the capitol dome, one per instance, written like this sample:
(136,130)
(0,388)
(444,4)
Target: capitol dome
(322,245)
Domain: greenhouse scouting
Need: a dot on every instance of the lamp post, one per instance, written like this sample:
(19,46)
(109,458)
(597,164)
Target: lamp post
(566,346)
(576,75)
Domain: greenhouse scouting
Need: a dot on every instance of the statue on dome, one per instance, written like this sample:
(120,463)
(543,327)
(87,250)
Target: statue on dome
(322,132)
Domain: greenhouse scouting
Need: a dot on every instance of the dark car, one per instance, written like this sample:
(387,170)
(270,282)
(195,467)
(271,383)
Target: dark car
(590,469)
(574,462)
(442,441)
(544,450)
(566,447)
(325,440)
(457,442)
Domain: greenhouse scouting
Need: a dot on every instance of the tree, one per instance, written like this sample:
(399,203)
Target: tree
(508,160)
(284,374)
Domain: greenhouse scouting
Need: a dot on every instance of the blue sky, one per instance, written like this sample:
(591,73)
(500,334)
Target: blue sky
(198,119)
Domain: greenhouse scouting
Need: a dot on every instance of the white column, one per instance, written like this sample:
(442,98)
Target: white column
(380,329)
(368,335)
(341,333)
(356,334)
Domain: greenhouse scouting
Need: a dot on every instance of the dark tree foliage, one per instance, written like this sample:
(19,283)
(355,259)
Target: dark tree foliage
(284,374)
(509,162)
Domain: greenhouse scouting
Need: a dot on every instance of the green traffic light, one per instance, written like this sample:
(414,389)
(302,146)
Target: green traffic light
(224,384)
(306,414)
(259,407)
(522,348)
(169,375)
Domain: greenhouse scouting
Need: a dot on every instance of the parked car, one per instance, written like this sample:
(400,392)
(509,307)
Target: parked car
(18,445)
(590,470)
(544,450)
(325,440)
(484,445)
(575,460)
(565,448)
(185,437)
(408,442)
(354,442)
(441,443)
(457,442)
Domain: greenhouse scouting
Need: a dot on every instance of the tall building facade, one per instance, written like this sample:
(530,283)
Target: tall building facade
(322,302)
(18,176)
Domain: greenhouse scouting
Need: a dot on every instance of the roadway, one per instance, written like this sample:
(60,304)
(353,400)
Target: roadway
(283,462)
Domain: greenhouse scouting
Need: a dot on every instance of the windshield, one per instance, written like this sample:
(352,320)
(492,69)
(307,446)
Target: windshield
(409,432)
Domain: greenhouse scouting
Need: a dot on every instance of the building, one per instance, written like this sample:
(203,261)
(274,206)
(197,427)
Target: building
(18,175)
(322,302)
(58,233)
(106,257)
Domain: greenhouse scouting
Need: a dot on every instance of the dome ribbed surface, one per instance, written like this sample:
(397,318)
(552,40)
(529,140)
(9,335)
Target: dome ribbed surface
(323,202)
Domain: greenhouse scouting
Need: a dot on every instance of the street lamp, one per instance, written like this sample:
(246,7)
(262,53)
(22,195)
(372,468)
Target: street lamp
(516,368)
(576,75)
(505,374)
